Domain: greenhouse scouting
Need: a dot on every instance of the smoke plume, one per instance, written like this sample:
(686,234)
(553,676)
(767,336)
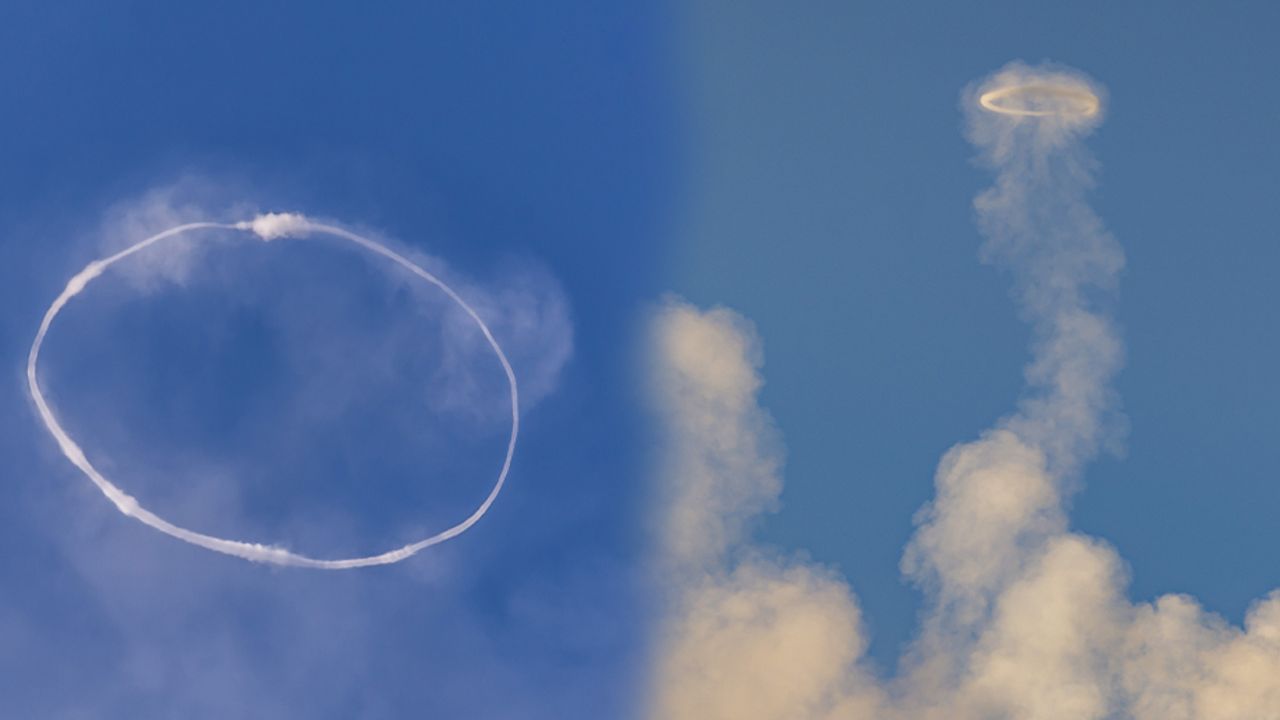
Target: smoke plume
(1024,619)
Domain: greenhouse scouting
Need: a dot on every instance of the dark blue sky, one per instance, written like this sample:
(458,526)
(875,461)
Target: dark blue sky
(530,149)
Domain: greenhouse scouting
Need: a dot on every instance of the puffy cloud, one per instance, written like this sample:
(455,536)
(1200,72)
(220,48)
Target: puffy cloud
(749,637)
(130,623)
(718,442)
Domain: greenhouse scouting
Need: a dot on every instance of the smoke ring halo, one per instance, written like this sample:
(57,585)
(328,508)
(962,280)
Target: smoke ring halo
(267,227)
(1080,101)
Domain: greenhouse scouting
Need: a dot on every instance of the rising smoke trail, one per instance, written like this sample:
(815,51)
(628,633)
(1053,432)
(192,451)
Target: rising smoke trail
(1023,619)
(267,227)
(999,499)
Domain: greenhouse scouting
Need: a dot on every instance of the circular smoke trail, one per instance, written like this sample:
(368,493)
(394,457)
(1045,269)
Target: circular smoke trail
(1042,99)
(267,227)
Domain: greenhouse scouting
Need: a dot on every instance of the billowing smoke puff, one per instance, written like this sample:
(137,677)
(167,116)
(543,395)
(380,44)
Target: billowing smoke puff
(1024,619)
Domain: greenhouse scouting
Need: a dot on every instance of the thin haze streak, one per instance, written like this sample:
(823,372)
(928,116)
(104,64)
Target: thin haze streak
(267,227)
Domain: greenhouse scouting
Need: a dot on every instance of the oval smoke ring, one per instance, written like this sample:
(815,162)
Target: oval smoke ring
(267,227)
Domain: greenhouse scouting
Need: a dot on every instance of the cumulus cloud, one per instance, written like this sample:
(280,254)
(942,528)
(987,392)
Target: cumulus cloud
(157,209)
(270,226)
(1024,619)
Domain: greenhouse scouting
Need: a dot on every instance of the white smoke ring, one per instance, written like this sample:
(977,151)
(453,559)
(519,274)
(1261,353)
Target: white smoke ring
(267,227)
(1041,99)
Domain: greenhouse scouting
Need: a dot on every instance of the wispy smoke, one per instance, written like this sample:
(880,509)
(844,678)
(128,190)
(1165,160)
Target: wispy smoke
(1024,619)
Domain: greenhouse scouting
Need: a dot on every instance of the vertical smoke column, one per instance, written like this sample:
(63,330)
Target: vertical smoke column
(1028,124)
(997,518)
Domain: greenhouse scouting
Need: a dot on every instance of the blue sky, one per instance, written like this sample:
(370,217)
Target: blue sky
(570,163)
(528,150)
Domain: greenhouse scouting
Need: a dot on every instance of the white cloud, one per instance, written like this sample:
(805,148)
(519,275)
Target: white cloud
(747,637)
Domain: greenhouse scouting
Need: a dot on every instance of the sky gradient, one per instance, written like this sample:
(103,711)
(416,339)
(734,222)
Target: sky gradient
(787,194)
